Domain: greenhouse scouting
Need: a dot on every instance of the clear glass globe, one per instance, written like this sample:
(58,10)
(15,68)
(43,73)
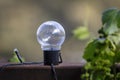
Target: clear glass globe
(50,35)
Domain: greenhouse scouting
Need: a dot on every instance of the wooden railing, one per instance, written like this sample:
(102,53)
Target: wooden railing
(64,71)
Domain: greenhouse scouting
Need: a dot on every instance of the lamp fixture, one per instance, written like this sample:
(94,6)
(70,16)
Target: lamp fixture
(51,36)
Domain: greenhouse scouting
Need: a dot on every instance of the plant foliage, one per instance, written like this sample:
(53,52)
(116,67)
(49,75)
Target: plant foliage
(14,59)
(103,52)
(81,33)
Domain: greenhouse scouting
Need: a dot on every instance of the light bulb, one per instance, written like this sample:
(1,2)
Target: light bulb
(51,36)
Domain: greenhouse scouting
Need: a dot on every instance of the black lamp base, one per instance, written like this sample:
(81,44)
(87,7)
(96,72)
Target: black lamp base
(52,57)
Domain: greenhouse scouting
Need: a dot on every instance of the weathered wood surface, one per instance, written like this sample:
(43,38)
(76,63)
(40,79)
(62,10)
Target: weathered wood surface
(64,71)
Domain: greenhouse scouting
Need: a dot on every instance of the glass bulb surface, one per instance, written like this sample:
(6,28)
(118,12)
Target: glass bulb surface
(51,35)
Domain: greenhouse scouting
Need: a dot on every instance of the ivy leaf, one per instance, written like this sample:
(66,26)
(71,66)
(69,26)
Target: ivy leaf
(109,15)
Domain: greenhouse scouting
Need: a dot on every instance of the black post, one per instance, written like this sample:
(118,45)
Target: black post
(51,57)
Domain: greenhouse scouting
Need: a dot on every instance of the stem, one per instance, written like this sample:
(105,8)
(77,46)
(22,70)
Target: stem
(91,76)
(114,68)
(114,71)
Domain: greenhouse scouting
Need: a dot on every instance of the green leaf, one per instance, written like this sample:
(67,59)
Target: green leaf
(81,33)
(110,21)
(117,57)
(118,76)
(110,27)
(88,66)
(90,50)
(15,59)
(109,15)
(114,39)
(118,19)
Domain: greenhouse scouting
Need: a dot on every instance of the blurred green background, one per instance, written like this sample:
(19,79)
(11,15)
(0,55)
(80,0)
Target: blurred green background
(19,20)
